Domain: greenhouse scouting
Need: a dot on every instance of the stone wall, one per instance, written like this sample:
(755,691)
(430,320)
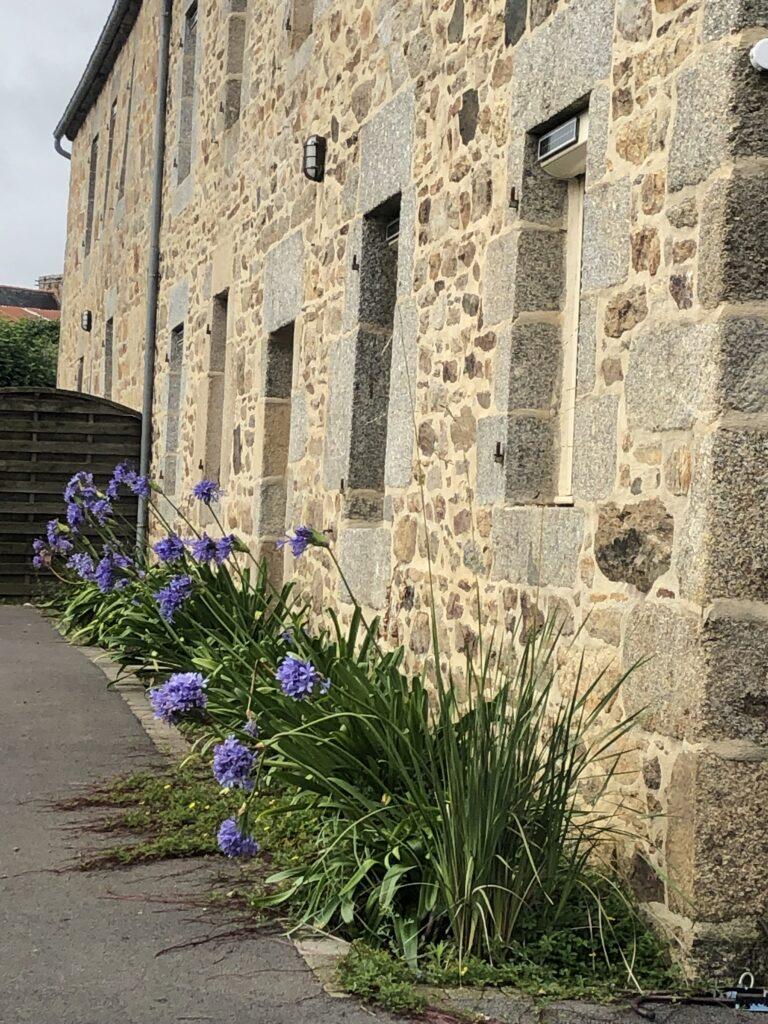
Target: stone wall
(662,552)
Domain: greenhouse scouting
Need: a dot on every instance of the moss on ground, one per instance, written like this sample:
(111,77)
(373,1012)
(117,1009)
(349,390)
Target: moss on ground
(176,813)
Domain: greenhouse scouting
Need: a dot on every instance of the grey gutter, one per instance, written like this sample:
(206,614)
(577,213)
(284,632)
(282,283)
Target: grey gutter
(118,27)
(153,269)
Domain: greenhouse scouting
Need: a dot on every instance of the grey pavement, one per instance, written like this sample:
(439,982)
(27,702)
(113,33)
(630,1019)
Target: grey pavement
(80,948)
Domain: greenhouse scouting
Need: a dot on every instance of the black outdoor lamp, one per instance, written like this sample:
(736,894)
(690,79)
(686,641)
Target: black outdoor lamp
(314,158)
(86,320)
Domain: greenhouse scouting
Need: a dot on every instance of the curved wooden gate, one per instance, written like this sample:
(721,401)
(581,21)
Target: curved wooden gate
(47,435)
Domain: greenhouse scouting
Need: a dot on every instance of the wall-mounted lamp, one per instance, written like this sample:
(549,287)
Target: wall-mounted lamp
(86,320)
(314,158)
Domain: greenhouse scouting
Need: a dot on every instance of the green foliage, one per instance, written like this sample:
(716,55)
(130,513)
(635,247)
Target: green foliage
(448,821)
(28,353)
(174,814)
(177,814)
(376,977)
(460,820)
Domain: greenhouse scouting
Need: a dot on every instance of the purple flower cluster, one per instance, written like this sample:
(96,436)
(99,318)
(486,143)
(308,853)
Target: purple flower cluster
(251,728)
(81,496)
(42,554)
(233,764)
(181,693)
(299,542)
(83,565)
(128,477)
(81,485)
(107,573)
(170,549)
(56,534)
(205,549)
(56,543)
(299,679)
(173,596)
(235,843)
(207,491)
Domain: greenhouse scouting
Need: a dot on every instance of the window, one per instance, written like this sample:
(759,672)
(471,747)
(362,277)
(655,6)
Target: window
(187,99)
(235,55)
(373,354)
(173,408)
(91,193)
(299,22)
(109,338)
(124,160)
(217,362)
(278,384)
(80,369)
(573,261)
(110,149)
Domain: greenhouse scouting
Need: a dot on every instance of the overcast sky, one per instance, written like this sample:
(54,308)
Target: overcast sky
(44,47)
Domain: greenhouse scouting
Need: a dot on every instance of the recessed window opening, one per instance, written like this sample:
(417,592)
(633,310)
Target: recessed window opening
(80,372)
(300,21)
(188,91)
(124,160)
(109,344)
(562,153)
(173,408)
(110,151)
(278,385)
(91,193)
(373,356)
(217,365)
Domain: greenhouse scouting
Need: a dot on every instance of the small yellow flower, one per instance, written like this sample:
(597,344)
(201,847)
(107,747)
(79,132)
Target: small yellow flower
(193,805)
(167,786)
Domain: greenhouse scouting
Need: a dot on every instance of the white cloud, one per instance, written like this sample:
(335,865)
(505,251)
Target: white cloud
(44,47)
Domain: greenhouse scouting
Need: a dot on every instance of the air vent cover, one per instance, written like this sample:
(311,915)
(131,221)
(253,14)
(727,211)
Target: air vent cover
(559,138)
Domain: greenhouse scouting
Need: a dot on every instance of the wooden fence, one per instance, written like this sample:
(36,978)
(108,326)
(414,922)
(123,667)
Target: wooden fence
(47,435)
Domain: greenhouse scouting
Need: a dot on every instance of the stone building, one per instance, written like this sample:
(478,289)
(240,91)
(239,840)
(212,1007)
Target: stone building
(572,370)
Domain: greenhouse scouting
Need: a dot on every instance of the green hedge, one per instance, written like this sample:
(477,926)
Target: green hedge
(28,353)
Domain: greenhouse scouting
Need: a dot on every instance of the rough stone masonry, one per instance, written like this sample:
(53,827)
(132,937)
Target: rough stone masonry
(330,376)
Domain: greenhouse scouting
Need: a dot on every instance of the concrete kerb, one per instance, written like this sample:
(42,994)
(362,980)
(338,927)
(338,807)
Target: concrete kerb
(321,953)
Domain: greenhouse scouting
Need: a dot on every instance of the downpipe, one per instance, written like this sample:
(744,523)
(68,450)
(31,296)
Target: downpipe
(153,270)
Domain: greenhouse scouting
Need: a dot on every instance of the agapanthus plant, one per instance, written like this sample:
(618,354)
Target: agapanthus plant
(82,564)
(233,842)
(170,549)
(299,679)
(172,596)
(233,764)
(110,573)
(303,538)
(207,491)
(181,693)
(128,477)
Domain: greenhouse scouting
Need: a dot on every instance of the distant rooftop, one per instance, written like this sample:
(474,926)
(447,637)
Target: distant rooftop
(27,298)
(22,313)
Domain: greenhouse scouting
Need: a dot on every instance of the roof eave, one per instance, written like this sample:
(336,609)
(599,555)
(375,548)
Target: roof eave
(113,36)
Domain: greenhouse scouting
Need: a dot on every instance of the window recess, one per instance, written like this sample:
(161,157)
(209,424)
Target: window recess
(562,154)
